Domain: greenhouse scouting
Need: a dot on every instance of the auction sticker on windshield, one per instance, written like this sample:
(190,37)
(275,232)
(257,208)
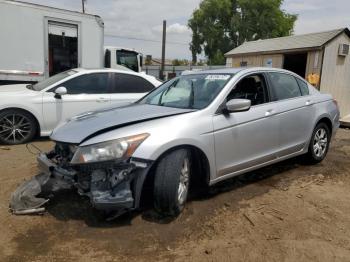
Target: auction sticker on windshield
(217,77)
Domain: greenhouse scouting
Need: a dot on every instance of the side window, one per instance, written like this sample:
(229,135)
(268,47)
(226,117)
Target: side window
(252,87)
(125,83)
(94,83)
(284,86)
(304,88)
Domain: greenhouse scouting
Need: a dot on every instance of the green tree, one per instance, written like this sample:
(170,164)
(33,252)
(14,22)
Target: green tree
(220,25)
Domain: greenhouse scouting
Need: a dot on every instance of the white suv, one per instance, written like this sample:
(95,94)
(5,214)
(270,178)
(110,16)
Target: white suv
(27,110)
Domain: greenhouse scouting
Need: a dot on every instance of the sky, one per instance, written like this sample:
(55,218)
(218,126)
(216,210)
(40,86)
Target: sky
(129,23)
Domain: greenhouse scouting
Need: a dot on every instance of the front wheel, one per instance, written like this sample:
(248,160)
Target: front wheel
(319,144)
(16,127)
(171,182)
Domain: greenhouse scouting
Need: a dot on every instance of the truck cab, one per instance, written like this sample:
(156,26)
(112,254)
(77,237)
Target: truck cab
(115,57)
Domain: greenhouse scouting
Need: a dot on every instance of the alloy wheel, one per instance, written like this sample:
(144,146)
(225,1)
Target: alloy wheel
(184,182)
(14,128)
(320,142)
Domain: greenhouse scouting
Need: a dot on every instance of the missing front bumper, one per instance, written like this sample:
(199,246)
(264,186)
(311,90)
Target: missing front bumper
(112,188)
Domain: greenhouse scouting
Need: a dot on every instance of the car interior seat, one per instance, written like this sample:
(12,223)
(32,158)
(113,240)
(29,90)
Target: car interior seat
(245,89)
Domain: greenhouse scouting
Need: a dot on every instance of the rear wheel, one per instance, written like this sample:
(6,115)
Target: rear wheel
(16,127)
(319,144)
(171,182)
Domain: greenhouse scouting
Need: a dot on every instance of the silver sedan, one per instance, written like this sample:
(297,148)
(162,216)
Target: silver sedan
(191,132)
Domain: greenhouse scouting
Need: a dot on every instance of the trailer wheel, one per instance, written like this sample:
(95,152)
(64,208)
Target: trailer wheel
(171,183)
(16,127)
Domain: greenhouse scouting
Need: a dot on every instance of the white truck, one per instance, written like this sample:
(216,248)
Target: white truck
(39,41)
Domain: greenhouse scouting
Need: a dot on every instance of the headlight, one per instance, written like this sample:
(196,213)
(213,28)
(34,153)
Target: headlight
(116,149)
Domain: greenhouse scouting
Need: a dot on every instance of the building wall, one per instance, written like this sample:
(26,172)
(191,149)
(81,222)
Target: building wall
(335,77)
(255,60)
(314,62)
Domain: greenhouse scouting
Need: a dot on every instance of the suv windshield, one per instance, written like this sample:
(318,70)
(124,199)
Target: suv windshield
(195,91)
(53,79)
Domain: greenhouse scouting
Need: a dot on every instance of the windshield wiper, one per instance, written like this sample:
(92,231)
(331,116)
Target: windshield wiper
(30,86)
(165,92)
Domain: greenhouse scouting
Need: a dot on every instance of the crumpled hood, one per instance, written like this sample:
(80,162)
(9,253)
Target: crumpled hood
(82,127)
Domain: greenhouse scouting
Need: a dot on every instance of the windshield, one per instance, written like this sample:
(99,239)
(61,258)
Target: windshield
(190,91)
(128,59)
(53,79)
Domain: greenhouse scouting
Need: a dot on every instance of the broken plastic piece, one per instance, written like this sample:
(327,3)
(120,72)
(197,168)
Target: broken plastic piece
(32,195)
(25,201)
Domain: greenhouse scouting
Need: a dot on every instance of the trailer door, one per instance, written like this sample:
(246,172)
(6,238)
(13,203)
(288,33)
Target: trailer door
(62,47)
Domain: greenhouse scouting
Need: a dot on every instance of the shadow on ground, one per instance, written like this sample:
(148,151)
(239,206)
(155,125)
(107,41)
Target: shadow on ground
(69,205)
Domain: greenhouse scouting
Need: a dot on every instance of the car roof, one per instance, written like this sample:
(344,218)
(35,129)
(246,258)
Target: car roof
(96,70)
(235,70)
(150,78)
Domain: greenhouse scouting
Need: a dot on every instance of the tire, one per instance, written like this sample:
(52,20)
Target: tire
(319,144)
(16,127)
(171,182)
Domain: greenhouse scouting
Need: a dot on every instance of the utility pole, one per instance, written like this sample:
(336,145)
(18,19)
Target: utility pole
(83,5)
(161,76)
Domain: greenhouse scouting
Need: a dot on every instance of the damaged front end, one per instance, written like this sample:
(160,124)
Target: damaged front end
(112,185)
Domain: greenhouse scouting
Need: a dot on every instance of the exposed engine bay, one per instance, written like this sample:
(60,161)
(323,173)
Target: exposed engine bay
(111,185)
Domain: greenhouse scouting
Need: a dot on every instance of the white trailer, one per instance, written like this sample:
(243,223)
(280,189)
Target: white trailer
(39,41)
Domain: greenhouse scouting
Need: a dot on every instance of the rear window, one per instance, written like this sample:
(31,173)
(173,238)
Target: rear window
(304,88)
(284,86)
(127,83)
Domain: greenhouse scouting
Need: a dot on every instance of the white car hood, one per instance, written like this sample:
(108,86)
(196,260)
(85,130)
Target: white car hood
(9,89)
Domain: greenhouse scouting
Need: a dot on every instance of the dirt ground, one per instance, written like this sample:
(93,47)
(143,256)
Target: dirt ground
(285,212)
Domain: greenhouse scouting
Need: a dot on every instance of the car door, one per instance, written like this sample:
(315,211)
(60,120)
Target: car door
(128,88)
(246,139)
(86,92)
(296,112)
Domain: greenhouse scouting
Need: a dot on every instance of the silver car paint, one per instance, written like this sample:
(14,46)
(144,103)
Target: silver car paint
(237,143)
(100,121)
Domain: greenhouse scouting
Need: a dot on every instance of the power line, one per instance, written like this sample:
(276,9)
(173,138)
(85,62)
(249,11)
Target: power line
(146,40)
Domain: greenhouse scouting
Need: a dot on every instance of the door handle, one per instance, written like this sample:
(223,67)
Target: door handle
(309,103)
(269,112)
(102,100)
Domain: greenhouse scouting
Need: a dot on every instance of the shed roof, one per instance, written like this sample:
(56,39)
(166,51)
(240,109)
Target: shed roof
(306,41)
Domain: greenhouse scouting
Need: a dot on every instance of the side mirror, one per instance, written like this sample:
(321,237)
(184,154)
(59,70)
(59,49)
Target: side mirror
(238,105)
(60,91)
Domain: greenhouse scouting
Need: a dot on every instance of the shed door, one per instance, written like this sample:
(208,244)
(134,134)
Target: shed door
(62,47)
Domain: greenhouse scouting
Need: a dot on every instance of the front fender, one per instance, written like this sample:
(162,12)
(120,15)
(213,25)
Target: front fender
(33,111)
(152,150)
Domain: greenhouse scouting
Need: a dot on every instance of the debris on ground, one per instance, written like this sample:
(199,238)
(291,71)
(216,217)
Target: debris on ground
(249,220)
(261,220)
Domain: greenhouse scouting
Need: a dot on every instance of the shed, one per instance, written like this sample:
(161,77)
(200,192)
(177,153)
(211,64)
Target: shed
(322,58)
